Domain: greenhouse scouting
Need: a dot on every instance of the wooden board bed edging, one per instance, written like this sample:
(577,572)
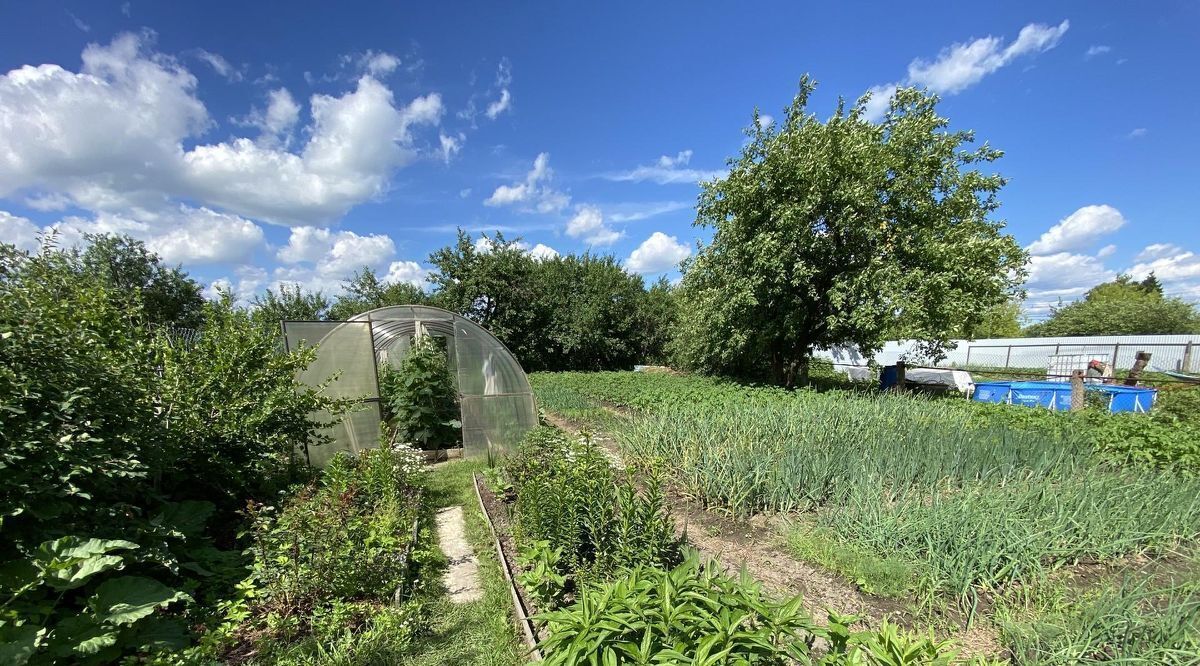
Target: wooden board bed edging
(522,614)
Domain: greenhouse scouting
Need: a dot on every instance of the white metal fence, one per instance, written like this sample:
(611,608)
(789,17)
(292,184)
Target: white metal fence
(1169,352)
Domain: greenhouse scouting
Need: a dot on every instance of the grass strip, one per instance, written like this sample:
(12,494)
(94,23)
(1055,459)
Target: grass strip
(478,632)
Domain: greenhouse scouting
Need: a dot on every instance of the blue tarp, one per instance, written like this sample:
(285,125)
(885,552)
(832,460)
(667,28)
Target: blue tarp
(1057,395)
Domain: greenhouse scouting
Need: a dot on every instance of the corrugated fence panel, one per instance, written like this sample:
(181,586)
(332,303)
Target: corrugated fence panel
(1169,352)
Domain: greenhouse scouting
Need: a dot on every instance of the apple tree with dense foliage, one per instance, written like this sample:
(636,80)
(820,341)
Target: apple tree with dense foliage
(828,232)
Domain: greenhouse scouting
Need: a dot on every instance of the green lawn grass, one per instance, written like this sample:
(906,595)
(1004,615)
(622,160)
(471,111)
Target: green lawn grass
(481,632)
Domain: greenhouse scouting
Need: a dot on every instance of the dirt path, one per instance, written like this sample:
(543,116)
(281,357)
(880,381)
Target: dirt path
(737,544)
(462,575)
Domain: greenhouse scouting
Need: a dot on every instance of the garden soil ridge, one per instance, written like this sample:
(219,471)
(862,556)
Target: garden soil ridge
(750,545)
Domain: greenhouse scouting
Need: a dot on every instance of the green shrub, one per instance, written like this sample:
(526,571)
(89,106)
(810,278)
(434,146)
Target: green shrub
(123,456)
(569,498)
(420,397)
(328,564)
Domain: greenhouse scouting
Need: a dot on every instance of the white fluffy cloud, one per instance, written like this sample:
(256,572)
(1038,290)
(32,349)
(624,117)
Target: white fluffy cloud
(105,135)
(962,65)
(500,105)
(588,224)
(532,193)
(1062,275)
(180,235)
(503,81)
(657,253)
(541,251)
(667,170)
(250,280)
(1079,230)
(18,231)
(451,145)
(322,259)
(204,236)
(1170,263)
(111,137)
(336,253)
(881,99)
(279,118)
(1158,251)
(220,65)
(379,63)
(406,271)
(1097,49)
(484,244)
(357,140)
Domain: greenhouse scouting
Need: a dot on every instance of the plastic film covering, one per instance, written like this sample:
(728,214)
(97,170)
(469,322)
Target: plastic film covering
(496,399)
(346,360)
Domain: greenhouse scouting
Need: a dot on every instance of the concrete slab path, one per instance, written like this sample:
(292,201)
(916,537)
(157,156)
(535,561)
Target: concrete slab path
(462,575)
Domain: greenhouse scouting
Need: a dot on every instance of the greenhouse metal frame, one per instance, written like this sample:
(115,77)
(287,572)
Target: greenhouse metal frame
(495,398)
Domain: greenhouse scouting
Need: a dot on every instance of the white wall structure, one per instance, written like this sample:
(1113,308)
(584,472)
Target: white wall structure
(1170,352)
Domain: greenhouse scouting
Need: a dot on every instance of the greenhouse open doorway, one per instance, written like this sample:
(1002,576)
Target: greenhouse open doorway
(495,398)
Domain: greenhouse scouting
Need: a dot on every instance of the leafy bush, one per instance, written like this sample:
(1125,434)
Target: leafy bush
(332,560)
(233,413)
(570,500)
(420,397)
(119,450)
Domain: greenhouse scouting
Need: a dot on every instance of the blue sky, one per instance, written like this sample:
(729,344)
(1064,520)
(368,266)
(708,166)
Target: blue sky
(256,143)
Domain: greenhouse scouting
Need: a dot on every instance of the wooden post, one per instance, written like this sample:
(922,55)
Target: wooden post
(1077,395)
(1139,364)
(1116,352)
(1187,358)
(900,377)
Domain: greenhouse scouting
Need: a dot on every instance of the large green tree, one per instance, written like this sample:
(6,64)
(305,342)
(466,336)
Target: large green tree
(576,312)
(166,294)
(999,321)
(365,291)
(1121,307)
(493,285)
(827,232)
(291,301)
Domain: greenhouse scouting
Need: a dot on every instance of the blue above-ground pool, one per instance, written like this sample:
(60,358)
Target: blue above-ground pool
(1057,395)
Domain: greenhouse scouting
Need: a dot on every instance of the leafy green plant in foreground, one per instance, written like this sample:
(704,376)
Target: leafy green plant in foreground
(334,560)
(569,497)
(113,433)
(420,397)
(693,614)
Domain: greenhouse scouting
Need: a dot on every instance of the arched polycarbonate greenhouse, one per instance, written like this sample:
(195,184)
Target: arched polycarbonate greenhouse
(494,395)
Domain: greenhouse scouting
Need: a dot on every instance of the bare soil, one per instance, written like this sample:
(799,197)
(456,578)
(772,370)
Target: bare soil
(497,511)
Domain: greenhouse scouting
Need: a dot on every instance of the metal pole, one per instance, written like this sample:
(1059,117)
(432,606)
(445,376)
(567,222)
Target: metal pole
(968,364)
(1008,357)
